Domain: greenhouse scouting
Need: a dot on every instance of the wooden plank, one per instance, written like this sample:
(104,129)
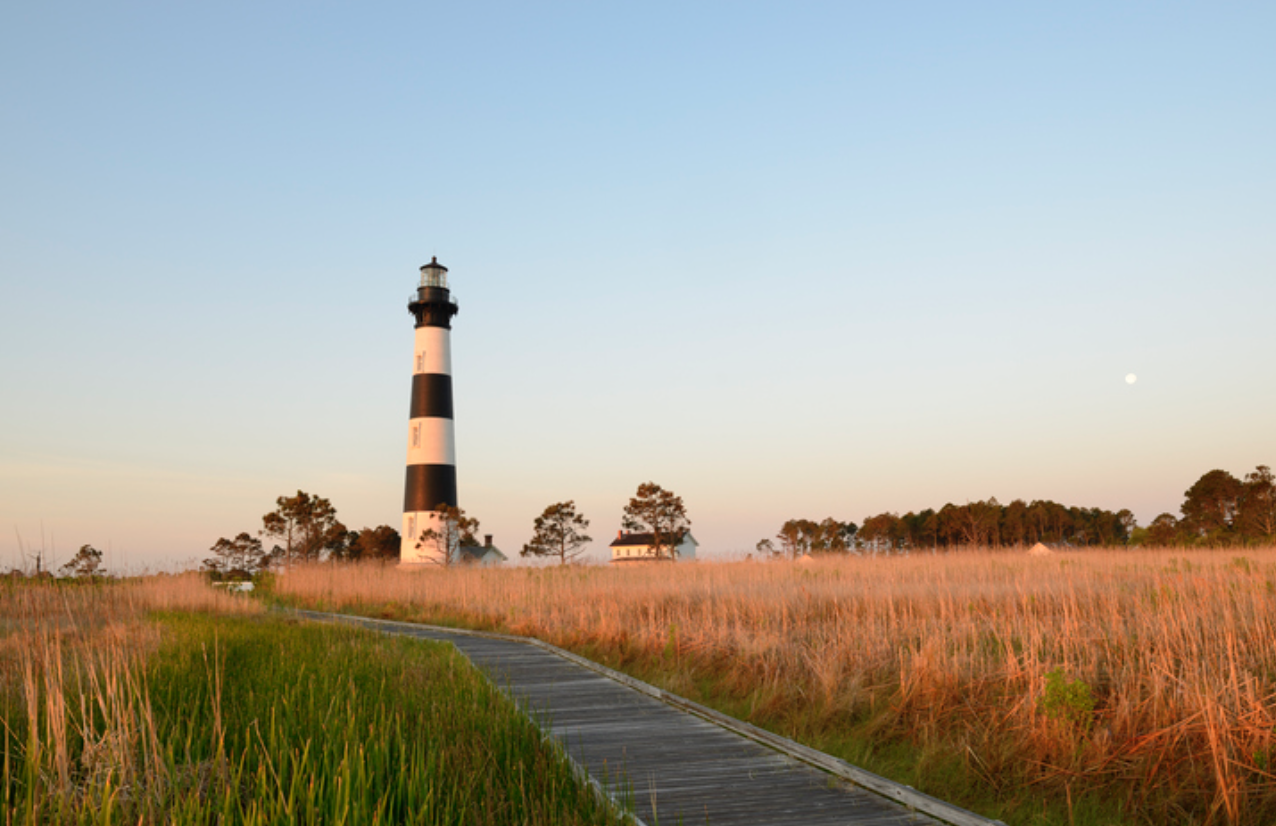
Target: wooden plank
(675,759)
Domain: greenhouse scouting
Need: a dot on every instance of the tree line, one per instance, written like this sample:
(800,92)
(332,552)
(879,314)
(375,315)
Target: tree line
(301,528)
(1219,510)
(305,528)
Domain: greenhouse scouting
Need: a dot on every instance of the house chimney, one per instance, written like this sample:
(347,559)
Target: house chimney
(620,534)
(487,540)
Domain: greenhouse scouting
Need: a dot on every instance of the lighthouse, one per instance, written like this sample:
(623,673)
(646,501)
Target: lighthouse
(431,477)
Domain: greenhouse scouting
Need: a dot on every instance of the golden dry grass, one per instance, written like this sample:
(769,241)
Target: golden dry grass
(96,619)
(1149,677)
(68,656)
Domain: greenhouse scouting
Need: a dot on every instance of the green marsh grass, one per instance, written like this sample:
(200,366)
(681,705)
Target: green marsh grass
(118,714)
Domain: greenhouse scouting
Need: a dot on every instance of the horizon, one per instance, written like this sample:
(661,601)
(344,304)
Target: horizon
(786,263)
(116,564)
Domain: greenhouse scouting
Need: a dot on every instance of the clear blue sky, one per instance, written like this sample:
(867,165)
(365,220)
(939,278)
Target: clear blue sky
(788,260)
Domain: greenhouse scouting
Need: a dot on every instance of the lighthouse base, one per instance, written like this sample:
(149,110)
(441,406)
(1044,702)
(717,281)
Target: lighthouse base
(419,551)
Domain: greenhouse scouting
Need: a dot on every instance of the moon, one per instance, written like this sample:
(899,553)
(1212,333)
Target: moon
(1130,378)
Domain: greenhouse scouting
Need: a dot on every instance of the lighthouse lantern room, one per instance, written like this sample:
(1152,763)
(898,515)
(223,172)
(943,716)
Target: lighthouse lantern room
(431,476)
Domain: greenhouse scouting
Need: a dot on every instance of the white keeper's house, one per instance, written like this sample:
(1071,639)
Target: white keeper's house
(637,547)
(485,554)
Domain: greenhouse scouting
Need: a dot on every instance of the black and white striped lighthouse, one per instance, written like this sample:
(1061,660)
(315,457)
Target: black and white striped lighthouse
(431,479)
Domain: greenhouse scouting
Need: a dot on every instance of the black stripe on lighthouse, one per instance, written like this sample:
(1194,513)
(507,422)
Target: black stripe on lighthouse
(429,486)
(431,396)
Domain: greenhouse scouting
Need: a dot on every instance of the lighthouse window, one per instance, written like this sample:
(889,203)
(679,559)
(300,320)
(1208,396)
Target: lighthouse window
(420,361)
(416,435)
(411,526)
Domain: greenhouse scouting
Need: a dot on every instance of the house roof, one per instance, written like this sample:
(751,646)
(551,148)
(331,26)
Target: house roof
(646,539)
(477,552)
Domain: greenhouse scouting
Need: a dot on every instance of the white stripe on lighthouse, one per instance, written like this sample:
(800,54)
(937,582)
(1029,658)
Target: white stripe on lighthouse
(431,441)
(433,351)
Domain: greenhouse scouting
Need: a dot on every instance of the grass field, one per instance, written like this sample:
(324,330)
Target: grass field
(162,701)
(1095,687)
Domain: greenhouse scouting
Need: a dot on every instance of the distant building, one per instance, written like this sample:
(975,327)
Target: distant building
(485,554)
(637,547)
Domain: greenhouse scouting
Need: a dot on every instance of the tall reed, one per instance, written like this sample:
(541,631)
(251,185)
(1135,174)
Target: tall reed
(75,708)
(1146,678)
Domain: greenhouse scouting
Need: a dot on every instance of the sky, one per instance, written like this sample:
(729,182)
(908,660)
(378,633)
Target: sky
(787,260)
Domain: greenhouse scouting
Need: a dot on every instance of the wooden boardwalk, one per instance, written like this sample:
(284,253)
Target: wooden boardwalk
(676,766)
